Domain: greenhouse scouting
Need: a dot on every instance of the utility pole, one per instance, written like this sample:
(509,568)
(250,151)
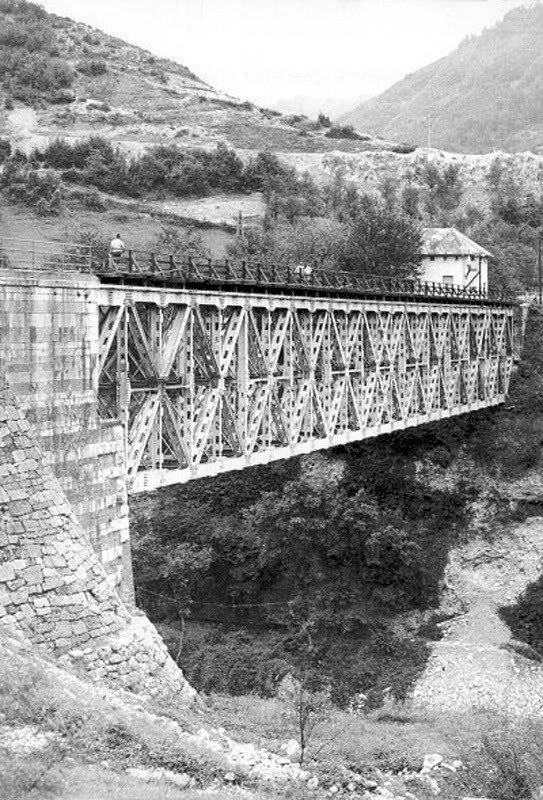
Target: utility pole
(239,226)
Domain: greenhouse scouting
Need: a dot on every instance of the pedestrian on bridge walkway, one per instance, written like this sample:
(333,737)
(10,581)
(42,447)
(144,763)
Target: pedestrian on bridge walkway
(116,249)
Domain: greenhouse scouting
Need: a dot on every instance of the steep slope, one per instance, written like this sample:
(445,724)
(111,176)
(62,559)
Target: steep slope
(487,94)
(60,79)
(81,81)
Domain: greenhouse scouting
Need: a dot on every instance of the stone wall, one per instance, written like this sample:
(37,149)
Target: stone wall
(49,343)
(53,588)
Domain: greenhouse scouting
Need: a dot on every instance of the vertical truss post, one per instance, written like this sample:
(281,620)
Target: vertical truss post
(155,319)
(242,379)
(123,379)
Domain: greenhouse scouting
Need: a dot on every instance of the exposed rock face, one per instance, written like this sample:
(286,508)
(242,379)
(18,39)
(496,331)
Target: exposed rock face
(477,664)
(53,588)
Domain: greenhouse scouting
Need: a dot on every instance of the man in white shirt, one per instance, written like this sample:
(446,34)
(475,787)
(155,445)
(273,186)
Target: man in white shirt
(116,249)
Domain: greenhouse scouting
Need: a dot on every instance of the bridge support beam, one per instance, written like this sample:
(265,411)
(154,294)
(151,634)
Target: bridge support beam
(206,382)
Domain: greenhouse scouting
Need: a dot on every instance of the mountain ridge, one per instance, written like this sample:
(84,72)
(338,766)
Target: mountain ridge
(485,95)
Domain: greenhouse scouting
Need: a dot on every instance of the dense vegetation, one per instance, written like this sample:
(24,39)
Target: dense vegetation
(31,68)
(321,566)
(483,96)
(507,223)
(330,226)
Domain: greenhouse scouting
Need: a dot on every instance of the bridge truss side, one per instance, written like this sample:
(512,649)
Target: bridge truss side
(208,382)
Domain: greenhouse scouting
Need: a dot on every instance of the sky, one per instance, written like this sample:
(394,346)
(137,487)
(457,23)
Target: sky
(267,51)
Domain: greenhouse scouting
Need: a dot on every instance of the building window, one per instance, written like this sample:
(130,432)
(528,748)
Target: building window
(448,280)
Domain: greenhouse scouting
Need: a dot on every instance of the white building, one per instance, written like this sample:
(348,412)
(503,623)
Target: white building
(449,257)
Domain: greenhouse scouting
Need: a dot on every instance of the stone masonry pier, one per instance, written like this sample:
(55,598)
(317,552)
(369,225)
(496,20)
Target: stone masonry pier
(49,348)
(53,589)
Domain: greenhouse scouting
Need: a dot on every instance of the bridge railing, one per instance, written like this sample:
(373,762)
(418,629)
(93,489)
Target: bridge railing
(155,266)
(44,255)
(158,267)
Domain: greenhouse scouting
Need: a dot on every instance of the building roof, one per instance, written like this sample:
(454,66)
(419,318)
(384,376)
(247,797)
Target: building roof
(449,242)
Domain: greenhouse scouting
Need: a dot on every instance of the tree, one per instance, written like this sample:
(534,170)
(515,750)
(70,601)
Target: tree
(382,241)
(267,174)
(388,188)
(319,242)
(225,169)
(307,707)
(410,201)
(181,242)
(444,190)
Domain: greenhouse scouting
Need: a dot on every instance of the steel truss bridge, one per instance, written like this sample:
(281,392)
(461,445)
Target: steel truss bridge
(211,379)
(213,366)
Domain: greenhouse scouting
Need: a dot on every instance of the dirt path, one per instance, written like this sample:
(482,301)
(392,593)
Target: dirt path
(217,209)
(473,666)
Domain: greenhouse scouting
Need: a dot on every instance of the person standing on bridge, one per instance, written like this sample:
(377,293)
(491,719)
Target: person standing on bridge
(116,249)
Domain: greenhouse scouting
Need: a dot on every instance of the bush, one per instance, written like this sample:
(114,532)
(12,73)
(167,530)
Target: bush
(5,150)
(343,132)
(63,96)
(162,169)
(23,184)
(93,67)
(233,662)
(29,62)
(403,148)
(90,38)
(324,120)
(89,199)
(270,113)
(105,107)
(525,617)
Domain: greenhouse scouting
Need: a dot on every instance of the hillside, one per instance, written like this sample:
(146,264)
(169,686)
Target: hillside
(63,80)
(61,77)
(485,95)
